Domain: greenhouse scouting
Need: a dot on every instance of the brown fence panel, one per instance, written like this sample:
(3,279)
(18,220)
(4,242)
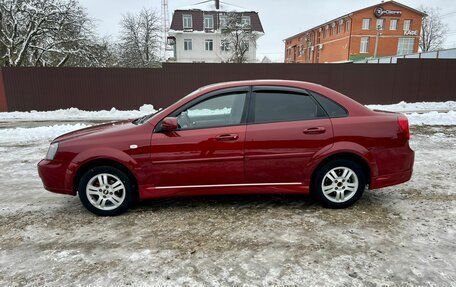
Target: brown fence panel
(3,103)
(409,80)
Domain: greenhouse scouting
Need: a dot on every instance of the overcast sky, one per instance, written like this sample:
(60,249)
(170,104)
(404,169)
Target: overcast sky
(280,18)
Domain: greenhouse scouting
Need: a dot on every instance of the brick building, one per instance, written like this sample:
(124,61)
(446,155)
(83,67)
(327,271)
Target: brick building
(393,27)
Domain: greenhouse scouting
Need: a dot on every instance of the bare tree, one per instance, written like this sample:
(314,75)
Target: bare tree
(433,30)
(103,51)
(45,33)
(140,39)
(237,38)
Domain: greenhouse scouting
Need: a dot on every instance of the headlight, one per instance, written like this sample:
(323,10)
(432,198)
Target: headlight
(52,151)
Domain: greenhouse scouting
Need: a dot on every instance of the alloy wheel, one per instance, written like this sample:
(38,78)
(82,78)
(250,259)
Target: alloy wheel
(105,191)
(339,184)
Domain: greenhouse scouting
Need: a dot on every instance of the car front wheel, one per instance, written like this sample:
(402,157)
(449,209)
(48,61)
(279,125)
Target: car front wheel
(339,183)
(105,191)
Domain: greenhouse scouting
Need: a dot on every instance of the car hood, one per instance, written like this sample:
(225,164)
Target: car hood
(101,129)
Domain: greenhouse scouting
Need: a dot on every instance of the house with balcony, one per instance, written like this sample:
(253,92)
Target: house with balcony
(195,34)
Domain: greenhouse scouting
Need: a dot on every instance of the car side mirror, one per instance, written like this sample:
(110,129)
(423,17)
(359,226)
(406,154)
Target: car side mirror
(169,124)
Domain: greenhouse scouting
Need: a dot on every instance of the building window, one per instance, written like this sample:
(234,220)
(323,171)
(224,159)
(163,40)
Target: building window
(347,26)
(380,24)
(188,22)
(407,25)
(364,46)
(405,46)
(223,22)
(225,46)
(208,22)
(209,44)
(339,28)
(366,24)
(393,24)
(245,20)
(188,45)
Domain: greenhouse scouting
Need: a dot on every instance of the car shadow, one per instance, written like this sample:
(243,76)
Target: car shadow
(254,201)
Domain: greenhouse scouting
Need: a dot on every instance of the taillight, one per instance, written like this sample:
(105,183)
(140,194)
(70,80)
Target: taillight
(404,124)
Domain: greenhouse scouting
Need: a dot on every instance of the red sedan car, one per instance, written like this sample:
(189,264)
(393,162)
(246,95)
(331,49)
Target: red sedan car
(264,136)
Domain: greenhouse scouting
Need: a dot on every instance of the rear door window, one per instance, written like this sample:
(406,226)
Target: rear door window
(281,106)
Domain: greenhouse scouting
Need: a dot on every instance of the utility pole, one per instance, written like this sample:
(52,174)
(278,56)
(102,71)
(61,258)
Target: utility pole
(165,23)
(377,37)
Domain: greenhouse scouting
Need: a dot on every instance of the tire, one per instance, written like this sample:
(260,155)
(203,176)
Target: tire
(106,191)
(339,183)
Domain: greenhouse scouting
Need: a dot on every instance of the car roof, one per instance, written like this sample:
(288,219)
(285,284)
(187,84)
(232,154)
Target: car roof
(353,106)
(265,82)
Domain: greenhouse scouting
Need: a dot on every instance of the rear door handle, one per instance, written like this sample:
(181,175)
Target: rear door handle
(315,130)
(227,137)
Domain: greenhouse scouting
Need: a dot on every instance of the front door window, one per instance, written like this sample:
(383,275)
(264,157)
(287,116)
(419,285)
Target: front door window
(225,110)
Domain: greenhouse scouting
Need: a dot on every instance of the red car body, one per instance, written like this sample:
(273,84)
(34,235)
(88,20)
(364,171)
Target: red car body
(278,157)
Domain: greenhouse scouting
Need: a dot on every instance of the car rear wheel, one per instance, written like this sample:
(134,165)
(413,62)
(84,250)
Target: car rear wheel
(339,183)
(105,191)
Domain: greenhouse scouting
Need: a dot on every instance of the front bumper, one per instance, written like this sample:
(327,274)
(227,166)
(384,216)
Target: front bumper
(53,174)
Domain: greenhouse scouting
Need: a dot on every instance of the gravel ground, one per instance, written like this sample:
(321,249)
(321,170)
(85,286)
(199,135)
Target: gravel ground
(403,235)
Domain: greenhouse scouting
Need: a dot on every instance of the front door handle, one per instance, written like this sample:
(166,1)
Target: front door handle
(315,130)
(227,137)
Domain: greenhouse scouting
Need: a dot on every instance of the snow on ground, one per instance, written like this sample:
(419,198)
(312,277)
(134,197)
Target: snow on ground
(398,236)
(27,135)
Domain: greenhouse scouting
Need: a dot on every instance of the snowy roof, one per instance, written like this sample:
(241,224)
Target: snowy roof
(209,5)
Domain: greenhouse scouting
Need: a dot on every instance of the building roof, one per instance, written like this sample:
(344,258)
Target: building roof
(198,13)
(209,5)
(349,14)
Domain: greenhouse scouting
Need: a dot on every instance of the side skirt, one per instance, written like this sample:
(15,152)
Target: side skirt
(147,192)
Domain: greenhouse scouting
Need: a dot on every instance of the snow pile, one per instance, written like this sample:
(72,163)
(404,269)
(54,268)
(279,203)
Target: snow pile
(432,118)
(77,114)
(424,113)
(36,134)
(416,107)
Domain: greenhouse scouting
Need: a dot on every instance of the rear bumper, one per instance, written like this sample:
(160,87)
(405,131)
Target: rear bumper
(390,179)
(397,177)
(53,175)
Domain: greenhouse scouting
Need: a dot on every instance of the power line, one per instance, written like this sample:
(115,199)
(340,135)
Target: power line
(448,14)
